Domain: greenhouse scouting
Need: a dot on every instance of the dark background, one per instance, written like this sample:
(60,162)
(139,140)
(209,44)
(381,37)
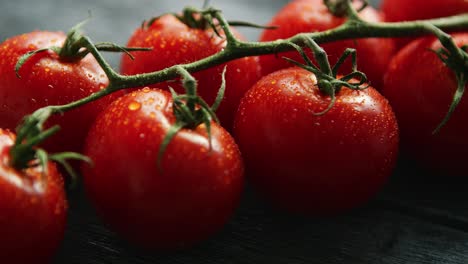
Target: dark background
(418,218)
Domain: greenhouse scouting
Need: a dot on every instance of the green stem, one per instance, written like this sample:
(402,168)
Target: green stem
(31,133)
(320,56)
(232,41)
(56,109)
(346,31)
(190,85)
(237,49)
(89,45)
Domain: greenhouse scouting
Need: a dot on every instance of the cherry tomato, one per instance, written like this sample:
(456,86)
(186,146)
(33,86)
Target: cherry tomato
(301,16)
(315,164)
(191,196)
(403,10)
(48,80)
(173,43)
(33,209)
(420,88)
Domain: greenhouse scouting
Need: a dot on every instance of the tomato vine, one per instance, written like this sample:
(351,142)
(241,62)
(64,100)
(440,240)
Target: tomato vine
(456,58)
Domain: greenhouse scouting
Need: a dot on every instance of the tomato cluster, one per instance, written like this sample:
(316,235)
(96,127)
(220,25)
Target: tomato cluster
(276,127)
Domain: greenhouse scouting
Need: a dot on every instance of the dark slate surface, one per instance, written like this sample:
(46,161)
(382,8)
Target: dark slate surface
(418,218)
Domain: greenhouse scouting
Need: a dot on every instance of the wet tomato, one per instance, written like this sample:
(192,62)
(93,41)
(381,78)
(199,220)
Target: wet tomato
(190,197)
(420,88)
(315,164)
(33,209)
(48,80)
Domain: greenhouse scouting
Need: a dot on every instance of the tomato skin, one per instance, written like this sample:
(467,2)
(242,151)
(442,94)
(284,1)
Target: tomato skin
(33,210)
(300,16)
(193,196)
(309,164)
(421,100)
(403,10)
(175,43)
(47,80)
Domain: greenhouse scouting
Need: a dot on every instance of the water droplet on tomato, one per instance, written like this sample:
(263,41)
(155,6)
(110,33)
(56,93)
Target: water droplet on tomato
(146,89)
(134,106)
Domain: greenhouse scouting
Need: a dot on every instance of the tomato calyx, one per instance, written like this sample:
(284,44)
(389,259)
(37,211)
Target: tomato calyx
(327,80)
(456,59)
(204,19)
(190,110)
(25,153)
(192,17)
(343,8)
(75,48)
(458,62)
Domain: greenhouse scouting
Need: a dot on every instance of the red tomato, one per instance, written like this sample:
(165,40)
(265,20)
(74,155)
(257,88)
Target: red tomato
(301,16)
(191,198)
(315,164)
(404,10)
(48,80)
(421,100)
(33,209)
(173,43)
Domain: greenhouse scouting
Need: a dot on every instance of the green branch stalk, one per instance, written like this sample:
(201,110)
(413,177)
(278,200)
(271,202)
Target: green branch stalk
(353,29)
